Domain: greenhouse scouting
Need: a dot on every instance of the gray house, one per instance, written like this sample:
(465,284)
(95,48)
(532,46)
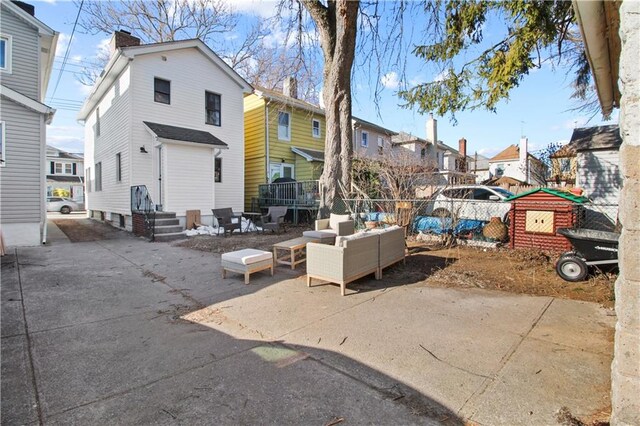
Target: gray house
(27,50)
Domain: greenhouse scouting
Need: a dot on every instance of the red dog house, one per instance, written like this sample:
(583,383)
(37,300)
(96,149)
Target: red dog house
(535,217)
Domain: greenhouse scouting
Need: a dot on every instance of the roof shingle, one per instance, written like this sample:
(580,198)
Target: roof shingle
(184,134)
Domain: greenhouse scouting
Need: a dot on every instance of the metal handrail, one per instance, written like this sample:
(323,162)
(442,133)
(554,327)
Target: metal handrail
(142,203)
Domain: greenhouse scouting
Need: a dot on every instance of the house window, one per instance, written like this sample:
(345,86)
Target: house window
(5,53)
(364,139)
(161,91)
(2,154)
(97,122)
(217,170)
(565,166)
(279,170)
(423,152)
(118,167)
(68,169)
(500,169)
(315,128)
(98,184)
(284,126)
(212,106)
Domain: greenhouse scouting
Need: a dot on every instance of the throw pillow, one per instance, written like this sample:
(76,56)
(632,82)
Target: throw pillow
(334,219)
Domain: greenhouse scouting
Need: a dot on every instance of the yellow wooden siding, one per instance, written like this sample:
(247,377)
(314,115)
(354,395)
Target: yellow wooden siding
(307,170)
(301,137)
(254,147)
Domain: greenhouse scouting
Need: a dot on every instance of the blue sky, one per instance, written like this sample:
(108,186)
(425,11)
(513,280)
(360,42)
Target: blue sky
(539,108)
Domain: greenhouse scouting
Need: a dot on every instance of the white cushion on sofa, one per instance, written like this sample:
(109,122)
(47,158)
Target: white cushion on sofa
(247,256)
(334,219)
(342,239)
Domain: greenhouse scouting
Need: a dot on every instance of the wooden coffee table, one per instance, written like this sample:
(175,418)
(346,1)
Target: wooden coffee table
(295,253)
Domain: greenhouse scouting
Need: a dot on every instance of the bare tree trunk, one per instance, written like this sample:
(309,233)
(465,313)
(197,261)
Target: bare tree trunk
(336,23)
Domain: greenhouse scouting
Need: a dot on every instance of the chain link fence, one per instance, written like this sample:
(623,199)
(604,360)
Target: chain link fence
(468,218)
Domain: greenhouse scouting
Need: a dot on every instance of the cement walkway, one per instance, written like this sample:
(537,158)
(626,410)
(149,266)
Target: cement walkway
(129,332)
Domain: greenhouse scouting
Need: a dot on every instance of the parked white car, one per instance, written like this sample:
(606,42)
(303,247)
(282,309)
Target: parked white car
(62,205)
(476,202)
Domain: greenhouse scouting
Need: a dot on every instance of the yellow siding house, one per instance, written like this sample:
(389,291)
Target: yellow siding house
(284,137)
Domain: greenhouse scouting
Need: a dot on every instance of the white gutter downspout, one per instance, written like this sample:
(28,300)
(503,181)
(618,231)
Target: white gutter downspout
(266,156)
(591,19)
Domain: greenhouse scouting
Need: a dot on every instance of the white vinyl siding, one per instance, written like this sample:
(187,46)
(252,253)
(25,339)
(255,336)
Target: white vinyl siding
(188,176)
(284,126)
(2,154)
(21,178)
(115,126)
(23,76)
(598,173)
(186,110)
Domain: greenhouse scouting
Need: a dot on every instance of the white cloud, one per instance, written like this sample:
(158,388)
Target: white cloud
(417,80)
(63,42)
(390,80)
(441,76)
(68,138)
(84,89)
(264,9)
(488,152)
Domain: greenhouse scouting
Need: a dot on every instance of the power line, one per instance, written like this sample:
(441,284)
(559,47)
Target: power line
(66,54)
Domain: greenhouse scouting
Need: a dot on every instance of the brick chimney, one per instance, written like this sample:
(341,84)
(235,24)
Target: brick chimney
(30,9)
(290,87)
(462,148)
(122,38)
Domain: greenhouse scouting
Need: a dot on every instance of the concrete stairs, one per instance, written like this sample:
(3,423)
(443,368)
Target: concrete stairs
(167,227)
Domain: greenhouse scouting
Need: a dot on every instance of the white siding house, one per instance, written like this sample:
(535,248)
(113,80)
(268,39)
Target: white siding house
(27,49)
(163,115)
(370,140)
(598,165)
(65,174)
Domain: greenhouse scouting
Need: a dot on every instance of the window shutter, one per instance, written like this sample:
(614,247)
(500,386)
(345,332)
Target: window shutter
(75,172)
(53,168)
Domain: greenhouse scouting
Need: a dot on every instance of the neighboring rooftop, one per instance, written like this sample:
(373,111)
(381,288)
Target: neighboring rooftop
(287,100)
(373,126)
(512,152)
(595,138)
(62,154)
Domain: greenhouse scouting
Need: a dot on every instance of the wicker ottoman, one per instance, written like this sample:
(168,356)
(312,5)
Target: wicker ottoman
(246,262)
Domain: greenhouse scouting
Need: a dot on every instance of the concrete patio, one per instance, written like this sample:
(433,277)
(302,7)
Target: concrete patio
(126,331)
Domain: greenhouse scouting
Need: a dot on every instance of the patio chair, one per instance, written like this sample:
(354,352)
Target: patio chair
(274,219)
(224,218)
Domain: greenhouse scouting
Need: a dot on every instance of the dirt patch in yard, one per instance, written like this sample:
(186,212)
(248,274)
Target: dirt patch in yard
(236,241)
(83,230)
(515,271)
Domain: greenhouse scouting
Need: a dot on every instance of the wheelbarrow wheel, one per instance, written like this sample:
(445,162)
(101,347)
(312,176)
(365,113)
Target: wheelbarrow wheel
(572,268)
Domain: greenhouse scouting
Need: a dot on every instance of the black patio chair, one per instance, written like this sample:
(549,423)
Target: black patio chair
(224,217)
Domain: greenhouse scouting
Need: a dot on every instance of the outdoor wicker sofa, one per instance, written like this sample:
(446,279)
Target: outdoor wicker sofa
(355,256)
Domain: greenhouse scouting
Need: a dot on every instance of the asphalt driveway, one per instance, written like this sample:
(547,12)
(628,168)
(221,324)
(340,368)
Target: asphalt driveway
(126,331)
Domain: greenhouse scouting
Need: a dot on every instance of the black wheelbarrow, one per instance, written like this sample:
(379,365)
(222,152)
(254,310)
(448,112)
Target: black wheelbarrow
(590,248)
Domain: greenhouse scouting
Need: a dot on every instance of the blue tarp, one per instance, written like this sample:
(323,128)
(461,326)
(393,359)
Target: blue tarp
(430,224)
(439,226)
